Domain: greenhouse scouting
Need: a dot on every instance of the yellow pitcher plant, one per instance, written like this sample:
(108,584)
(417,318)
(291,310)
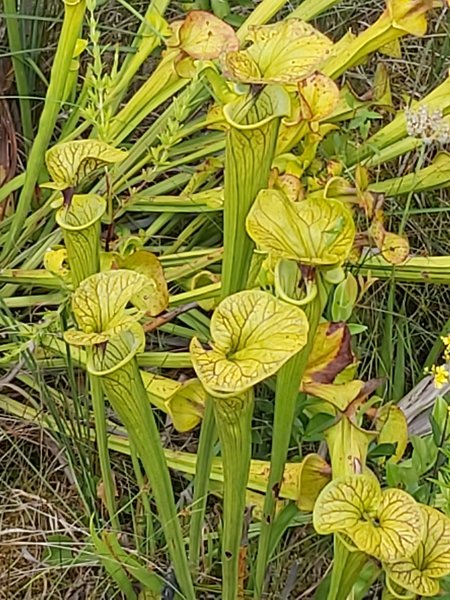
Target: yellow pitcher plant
(253,335)
(113,336)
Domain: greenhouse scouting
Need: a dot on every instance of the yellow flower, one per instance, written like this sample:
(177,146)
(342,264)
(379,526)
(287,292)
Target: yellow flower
(446,340)
(440,375)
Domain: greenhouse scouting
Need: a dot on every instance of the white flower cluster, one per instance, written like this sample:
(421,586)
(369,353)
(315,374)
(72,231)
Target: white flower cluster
(427,125)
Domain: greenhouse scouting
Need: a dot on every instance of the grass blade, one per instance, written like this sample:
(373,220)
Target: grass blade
(73,19)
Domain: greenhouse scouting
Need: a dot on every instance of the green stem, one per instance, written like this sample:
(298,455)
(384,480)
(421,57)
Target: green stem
(287,388)
(234,420)
(148,531)
(387,347)
(346,568)
(311,8)
(11,186)
(208,436)
(126,393)
(15,46)
(409,198)
(162,85)
(248,159)
(68,131)
(437,347)
(144,43)
(101,436)
(73,19)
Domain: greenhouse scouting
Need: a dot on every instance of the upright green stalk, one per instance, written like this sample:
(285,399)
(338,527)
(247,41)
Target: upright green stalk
(147,39)
(15,46)
(387,347)
(250,148)
(125,390)
(161,85)
(146,535)
(287,389)
(234,419)
(208,436)
(309,9)
(346,568)
(73,19)
(101,437)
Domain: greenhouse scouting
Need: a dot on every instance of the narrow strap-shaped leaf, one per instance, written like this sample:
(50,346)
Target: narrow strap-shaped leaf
(73,19)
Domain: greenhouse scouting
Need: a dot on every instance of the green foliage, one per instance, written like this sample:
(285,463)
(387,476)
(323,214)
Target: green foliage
(269,146)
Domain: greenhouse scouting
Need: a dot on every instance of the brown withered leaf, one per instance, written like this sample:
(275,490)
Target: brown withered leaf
(330,354)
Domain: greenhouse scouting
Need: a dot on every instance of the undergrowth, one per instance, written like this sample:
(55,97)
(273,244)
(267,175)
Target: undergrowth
(84,510)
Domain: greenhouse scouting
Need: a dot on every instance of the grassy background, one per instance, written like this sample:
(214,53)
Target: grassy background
(47,482)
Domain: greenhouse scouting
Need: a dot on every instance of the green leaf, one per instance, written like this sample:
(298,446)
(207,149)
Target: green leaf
(382,451)
(112,565)
(284,52)
(316,232)
(344,298)
(221,8)
(253,335)
(70,162)
(317,425)
(393,428)
(421,572)
(387,525)
(424,455)
(439,420)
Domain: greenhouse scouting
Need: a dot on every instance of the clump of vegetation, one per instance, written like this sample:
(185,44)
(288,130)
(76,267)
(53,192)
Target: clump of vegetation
(185,261)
